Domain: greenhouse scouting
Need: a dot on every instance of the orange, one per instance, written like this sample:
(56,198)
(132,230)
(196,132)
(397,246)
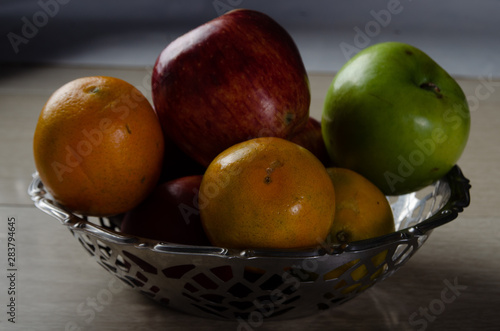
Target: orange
(266,193)
(98,146)
(362,212)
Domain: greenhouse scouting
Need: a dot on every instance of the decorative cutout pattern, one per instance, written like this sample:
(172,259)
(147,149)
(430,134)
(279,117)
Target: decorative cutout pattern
(219,283)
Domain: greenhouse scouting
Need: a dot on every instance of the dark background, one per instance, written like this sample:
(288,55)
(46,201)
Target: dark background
(132,33)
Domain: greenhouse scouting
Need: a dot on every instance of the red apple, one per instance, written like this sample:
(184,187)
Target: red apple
(170,214)
(177,164)
(311,138)
(237,77)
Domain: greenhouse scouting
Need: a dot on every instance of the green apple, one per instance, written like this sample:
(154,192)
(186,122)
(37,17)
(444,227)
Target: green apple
(396,117)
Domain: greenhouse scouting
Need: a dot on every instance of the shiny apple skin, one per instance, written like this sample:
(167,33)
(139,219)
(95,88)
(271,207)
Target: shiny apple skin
(395,116)
(237,77)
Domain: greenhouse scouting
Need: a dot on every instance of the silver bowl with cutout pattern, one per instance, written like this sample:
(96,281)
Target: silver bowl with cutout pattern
(231,284)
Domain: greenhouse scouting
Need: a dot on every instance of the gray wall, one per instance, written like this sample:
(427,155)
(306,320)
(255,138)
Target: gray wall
(464,36)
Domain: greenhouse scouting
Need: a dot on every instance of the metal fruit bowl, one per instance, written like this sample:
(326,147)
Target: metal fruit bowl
(237,284)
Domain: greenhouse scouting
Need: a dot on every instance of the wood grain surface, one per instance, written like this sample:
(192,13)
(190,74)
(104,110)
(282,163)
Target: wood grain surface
(60,287)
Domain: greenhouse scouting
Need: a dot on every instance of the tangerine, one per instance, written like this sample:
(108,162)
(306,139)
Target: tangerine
(266,193)
(98,146)
(362,210)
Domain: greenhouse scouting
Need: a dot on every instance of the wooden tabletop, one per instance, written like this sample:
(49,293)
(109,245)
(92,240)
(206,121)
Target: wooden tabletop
(58,286)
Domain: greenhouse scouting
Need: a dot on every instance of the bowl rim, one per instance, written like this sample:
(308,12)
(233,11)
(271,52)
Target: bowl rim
(458,200)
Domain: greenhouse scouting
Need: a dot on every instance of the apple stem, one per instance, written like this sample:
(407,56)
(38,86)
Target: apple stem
(432,87)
